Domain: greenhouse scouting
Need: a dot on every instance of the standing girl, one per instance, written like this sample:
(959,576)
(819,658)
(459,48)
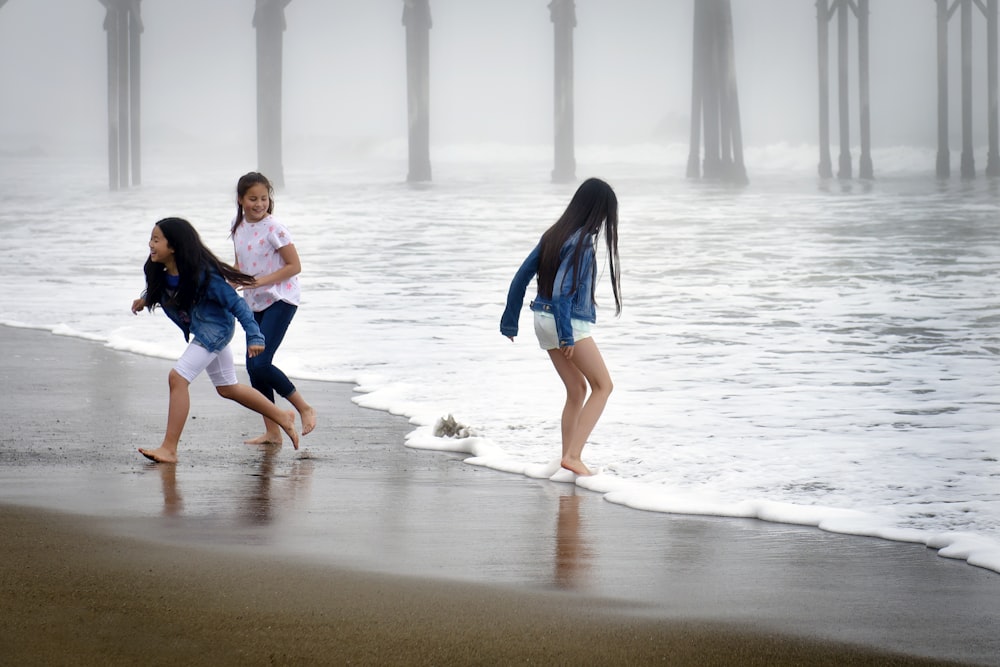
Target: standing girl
(190,283)
(264,249)
(564,308)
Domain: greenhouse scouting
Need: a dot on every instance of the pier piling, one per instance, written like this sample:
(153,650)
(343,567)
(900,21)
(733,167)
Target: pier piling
(715,111)
(269,22)
(123,25)
(825,13)
(563,15)
(417,20)
(944,15)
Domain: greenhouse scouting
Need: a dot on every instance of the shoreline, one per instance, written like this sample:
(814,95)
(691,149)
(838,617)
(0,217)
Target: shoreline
(359,549)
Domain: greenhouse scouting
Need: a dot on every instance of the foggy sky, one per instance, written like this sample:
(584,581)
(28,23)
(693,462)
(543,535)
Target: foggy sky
(491,72)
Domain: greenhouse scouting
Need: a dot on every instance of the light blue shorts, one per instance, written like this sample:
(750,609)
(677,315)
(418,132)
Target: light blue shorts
(545,330)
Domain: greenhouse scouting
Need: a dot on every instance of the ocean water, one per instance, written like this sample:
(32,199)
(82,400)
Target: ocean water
(800,351)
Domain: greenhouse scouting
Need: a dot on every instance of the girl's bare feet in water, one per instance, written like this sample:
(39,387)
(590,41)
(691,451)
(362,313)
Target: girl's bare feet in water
(159,455)
(308,420)
(273,435)
(576,467)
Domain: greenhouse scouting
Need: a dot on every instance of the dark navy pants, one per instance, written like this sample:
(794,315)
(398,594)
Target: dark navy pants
(265,377)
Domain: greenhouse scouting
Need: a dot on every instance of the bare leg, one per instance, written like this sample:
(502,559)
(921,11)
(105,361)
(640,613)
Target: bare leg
(272,432)
(579,416)
(306,412)
(177,414)
(250,398)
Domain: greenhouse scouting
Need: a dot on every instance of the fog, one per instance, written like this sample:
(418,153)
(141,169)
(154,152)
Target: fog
(491,73)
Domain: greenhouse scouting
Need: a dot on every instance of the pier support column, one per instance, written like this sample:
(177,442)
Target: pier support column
(269,22)
(944,14)
(563,15)
(865,169)
(842,9)
(968,169)
(993,154)
(823,44)
(124,27)
(943,167)
(843,102)
(715,111)
(417,20)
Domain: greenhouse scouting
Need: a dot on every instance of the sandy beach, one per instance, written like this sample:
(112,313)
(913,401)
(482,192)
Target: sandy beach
(358,550)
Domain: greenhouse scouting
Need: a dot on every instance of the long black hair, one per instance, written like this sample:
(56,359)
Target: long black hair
(593,206)
(194,262)
(246,182)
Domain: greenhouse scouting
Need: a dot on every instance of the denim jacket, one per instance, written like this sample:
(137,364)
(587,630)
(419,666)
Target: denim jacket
(566,304)
(213,316)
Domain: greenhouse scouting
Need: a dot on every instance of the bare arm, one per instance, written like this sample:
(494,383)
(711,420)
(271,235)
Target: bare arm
(292,267)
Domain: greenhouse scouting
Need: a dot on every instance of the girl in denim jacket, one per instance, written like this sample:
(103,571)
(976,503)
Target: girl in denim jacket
(190,283)
(564,308)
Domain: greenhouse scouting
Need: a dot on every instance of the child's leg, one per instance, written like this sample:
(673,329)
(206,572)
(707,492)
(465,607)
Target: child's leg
(268,379)
(249,397)
(586,364)
(223,374)
(177,413)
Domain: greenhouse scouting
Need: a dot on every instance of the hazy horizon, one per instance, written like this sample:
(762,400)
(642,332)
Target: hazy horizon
(491,74)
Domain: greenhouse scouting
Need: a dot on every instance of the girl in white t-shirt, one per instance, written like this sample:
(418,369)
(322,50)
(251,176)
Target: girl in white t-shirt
(264,250)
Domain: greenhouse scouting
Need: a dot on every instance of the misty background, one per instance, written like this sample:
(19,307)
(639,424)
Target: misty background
(491,75)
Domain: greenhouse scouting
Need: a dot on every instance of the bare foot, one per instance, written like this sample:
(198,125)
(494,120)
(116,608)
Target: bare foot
(266,439)
(159,455)
(576,467)
(308,420)
(288,426)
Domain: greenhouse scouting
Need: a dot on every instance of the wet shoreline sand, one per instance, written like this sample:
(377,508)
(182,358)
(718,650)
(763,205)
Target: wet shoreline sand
(358,550)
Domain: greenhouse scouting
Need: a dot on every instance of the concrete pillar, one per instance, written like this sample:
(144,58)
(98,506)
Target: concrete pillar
(698,77)
(269,22)
(943,167)
(123,27)
(844,169)
(968,156)
(111,28)
(866,169)
(733,129)
(823,44)
(715,104)
(563,16)
(135,90)
(993,154)
(711,166)
(417,20)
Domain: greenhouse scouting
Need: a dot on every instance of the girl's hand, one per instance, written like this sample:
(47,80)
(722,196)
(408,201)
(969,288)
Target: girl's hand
(567,351)
(254,350)
(138,305)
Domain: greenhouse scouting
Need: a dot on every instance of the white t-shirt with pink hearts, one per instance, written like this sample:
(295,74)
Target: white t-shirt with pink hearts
(257,245)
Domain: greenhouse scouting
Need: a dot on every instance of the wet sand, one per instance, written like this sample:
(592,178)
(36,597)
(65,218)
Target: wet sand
(358,550)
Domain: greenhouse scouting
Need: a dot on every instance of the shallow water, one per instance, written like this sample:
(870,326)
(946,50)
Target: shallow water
(798,351)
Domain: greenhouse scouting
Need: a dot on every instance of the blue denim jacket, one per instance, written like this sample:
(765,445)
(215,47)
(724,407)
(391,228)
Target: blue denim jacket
(214,314)
(565,304)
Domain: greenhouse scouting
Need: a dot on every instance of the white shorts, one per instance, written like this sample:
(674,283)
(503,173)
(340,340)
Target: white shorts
(218,364)
(545,330)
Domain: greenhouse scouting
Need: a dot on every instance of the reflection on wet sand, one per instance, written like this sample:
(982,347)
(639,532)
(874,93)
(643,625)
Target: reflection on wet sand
(572,552)
(258,506)
(172,501)
(272,489)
